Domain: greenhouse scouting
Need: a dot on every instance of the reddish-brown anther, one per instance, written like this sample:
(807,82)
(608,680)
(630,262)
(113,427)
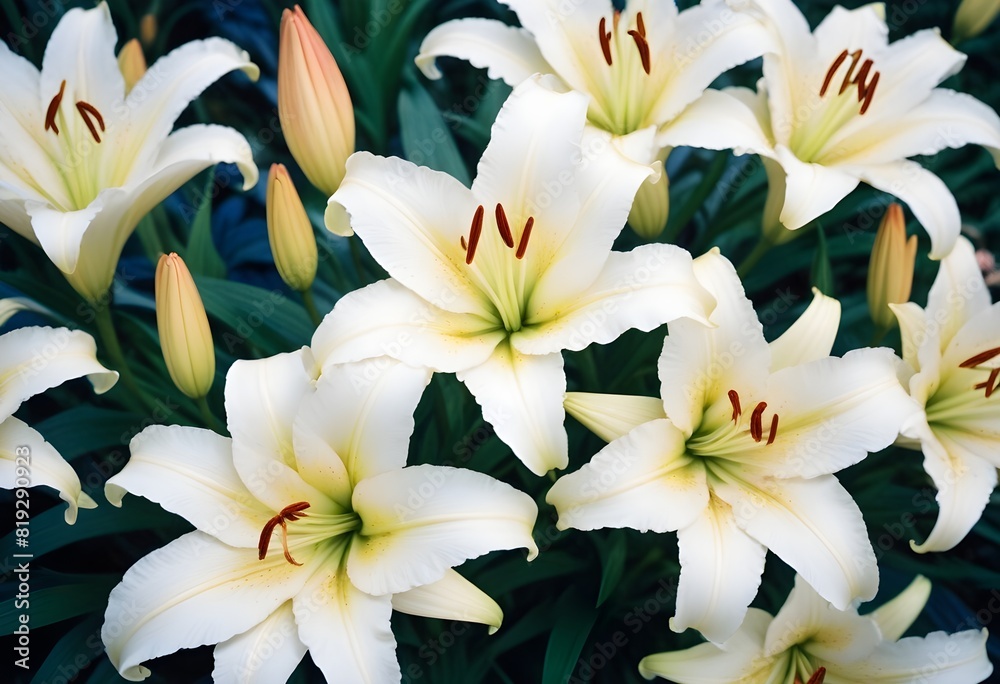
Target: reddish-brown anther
(774,429)
(88,110)
(522,245)
(474,233)
(605,38)
(50,113)
(734,399)
(504,227)
(985,356)
(756,428)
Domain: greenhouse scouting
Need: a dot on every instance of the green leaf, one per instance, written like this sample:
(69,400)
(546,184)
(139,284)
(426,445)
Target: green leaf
(266,319)
(73,596)
(78,648)
(49,530)
(574,620)
(202,258)
(427,140)
(822,274)
(86,428)
(612,565)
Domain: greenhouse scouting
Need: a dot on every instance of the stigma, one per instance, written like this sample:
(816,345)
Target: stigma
(288,514)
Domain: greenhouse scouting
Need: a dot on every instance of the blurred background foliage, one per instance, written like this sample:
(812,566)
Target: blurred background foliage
(592,604)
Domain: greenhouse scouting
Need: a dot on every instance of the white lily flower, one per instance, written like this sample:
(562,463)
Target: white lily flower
(639,68)
(840,105)
(742,459)
(81,161)
(534,275)
(953,349)
(310,530)
(34,360)
(810,641)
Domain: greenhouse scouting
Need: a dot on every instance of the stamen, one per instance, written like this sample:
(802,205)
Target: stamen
(640,24)
(50,113)
(734,399)
(289,513)
(774,429)
(832,70)
(643,46)
(990,385)
(605,37)
(869,93)
(464,245)
(818,676)
(987,355)
(474,233)
(855,56)
(86,111)
(522,246)
(504,227)
(756,429)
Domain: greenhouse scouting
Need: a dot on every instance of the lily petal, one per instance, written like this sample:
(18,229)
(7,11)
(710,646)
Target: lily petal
(734,118)
(643,481)
(832,413)
(189,472)
(193,591)
(25,457)
(735,660)
(928,197)
(262,399)
(365,415)
(641,289)
(937,658)
(958,295)
(507,52)
(522,398)
(610,416)
(83,38)
(388,319)
(346,630)
(813,525)
(811,190)
(700,364)
(36,359)
(173,81)
(964,483)
(810,337)
(420,521)
(412,220)
(721,567)
(264,654)
(450,598)
(895,616)
(831,634)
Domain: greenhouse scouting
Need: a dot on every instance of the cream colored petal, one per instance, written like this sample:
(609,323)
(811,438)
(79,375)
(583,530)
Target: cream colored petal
(810,337)
(264,654)
(610,416)
(507,52)
(896,615)
(450,598)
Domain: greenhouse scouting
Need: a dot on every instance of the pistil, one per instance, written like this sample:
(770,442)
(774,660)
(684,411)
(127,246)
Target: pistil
(289,513)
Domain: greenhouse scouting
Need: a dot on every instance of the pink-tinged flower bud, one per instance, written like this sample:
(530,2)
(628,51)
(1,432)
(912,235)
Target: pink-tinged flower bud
(890,271)
(185,337)
(132,63)
(315,109)
(293,243)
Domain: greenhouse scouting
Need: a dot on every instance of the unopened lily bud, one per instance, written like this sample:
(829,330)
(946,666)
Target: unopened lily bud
(973,17)
(148,27)
(651,207)
(289,231)
(132,63)
(185,337)
(774,230)
(314,107)
(890,272)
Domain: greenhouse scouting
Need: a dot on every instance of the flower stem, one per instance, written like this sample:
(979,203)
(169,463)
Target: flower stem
(755,255)
(310,304)
(109,338)
(210,420)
